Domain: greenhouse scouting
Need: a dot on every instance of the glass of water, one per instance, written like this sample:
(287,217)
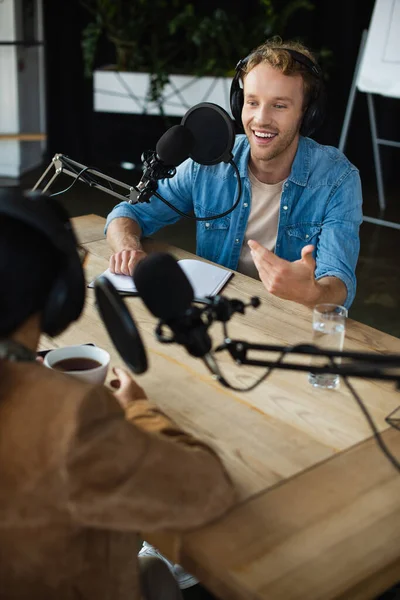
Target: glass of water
(329,326)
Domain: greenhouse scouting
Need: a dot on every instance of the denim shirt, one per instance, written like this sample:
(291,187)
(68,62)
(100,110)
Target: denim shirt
(320,205)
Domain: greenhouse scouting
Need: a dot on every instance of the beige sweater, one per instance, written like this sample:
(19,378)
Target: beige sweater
(79,479)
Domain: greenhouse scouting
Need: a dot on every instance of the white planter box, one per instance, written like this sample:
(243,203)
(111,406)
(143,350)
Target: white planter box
(127,92)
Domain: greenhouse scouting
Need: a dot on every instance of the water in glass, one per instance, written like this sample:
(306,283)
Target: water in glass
(328,335)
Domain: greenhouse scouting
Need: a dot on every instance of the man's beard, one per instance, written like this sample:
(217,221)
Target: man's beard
(282,143)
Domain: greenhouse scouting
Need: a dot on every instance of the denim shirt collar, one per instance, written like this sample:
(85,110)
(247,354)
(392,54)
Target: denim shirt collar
(300,167)
(243,160)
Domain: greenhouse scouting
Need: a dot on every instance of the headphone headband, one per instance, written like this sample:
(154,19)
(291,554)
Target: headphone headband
(310,65)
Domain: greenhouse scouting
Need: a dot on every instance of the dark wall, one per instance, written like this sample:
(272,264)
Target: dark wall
(69,101)
(338,26)
(106,139)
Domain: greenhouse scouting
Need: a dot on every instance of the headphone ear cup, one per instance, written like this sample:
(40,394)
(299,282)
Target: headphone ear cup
(66,298)
(312,119)
(307,127)
(56,316)
(314,114)
(237,106)
(237,99)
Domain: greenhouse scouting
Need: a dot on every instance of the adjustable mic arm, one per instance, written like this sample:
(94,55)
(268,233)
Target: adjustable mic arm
(358,364)
(366,365)
(63,164)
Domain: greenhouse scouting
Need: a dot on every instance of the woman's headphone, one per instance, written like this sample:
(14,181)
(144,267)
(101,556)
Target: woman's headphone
(67,295)
(314,113)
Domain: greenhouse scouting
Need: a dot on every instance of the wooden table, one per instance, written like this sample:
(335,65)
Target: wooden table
(319,509)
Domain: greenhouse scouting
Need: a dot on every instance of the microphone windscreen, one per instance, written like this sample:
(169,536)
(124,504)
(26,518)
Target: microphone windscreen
(120,325)
(174,145)
(163,286)
(213,132)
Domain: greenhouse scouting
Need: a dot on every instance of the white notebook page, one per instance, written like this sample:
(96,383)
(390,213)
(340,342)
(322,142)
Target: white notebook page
(206,279)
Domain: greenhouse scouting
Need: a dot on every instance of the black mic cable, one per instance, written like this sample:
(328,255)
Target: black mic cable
(186,216)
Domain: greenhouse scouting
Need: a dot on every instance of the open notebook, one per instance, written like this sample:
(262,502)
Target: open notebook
(206,279)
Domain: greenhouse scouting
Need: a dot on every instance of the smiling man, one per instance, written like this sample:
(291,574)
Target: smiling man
(297,225)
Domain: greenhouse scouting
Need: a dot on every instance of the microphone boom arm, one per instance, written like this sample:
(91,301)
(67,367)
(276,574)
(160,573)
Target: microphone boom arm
(366,365)
(63,164)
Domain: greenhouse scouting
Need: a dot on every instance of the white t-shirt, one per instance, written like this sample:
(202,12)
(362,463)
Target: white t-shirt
(262,225)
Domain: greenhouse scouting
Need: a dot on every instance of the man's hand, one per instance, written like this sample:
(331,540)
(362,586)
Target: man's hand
(288,280)
(127,390)
(123,235)
(125,261)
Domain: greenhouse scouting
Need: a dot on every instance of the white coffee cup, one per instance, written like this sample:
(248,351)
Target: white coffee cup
(97,374)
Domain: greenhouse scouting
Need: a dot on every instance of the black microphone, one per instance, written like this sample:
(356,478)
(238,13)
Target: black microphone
(172,149)
(168,294)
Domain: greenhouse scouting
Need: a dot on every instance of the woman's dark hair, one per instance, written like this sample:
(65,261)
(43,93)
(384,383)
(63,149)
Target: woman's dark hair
(29,264)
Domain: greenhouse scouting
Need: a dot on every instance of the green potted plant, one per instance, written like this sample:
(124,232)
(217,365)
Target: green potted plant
(169,54)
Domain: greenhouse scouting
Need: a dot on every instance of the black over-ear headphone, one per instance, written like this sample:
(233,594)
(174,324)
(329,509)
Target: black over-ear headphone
(46,215)
(314,113)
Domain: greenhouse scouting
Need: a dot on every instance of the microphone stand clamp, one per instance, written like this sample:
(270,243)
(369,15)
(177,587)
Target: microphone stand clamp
(153,170)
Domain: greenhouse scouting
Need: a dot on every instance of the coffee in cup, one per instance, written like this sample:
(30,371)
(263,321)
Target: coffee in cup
(76,364)
(88,363)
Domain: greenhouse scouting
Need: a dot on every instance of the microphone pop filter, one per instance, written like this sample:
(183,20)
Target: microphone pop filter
(120,325)
(213,132)
(163,286)
(174,145)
